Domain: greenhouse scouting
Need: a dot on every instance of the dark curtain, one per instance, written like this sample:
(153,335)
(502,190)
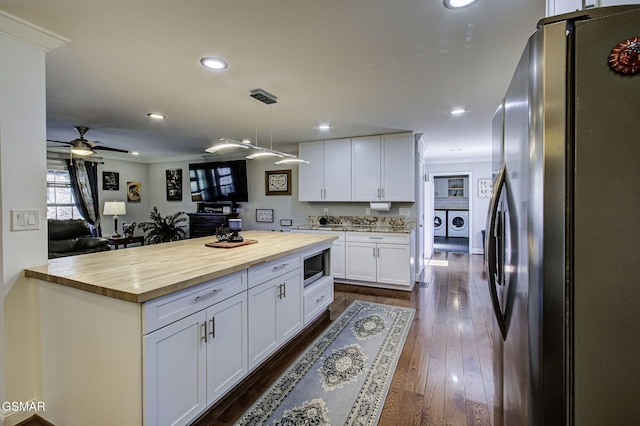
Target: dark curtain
(84,183)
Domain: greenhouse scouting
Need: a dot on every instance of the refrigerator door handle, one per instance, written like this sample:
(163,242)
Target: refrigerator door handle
(491,247)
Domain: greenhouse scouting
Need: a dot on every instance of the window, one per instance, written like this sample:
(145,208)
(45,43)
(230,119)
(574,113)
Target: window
(60,201)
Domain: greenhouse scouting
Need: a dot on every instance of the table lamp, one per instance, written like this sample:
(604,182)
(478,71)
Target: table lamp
(114,208)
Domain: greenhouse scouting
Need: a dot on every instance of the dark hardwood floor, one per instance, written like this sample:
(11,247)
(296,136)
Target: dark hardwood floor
(444,375)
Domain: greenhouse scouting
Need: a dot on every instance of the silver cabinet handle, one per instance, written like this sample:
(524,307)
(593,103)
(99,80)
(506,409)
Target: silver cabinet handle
(319,299)
(284,290)
(279,291)
(383,193)
(376,238)
(277,268)
(374,252)
(321,190)
(205,331)
(208,295)
(213,328)
(378,251)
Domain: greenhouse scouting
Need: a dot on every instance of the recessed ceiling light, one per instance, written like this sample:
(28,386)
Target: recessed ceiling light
(157,116)
(323,127)
(455,149)
(458,4)
(214,63)
(458,111)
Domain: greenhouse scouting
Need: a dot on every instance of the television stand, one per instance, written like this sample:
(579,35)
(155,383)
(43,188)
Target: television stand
(205,224)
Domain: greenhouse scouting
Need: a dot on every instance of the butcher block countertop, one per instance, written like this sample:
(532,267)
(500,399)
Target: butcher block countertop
(138,274)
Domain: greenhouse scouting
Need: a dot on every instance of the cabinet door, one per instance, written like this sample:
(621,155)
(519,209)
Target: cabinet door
(175,372)
(227,345)
(338,260)
(398,167)
(290,307)
(337,170)
(310,176)
(365,168)
(263,325)
(361,261)
(394,264)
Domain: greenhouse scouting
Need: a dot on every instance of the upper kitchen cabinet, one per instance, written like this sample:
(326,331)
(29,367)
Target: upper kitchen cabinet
(383,168)
(327,177)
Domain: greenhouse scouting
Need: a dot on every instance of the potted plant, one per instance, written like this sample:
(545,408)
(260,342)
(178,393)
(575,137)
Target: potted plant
(163,229)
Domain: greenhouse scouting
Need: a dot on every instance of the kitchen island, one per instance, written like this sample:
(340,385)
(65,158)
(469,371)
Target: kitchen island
(156,334)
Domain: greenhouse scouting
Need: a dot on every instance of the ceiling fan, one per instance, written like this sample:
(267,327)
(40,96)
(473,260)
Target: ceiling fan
(82,146)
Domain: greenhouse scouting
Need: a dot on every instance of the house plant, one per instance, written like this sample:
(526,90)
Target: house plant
(163,229)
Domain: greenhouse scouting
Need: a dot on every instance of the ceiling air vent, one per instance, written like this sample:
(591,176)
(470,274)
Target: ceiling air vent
(263,96)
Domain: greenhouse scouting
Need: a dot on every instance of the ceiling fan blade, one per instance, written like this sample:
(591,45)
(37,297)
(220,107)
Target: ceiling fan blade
(64,142)
(106,148)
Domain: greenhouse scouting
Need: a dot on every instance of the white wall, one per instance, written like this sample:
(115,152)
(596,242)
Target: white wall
(129,171)
(479,206)
(22,186)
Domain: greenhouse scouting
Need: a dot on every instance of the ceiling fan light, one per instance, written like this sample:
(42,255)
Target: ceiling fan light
(458,4)
(79,150)
(156,116)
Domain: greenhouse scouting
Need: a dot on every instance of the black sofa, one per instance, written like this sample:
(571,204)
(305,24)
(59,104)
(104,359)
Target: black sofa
(72,237)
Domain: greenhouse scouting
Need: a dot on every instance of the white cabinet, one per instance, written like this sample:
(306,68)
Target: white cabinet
(192,362)
(317,298)
(382,168)
(327,176)
(381,258)
(275,314)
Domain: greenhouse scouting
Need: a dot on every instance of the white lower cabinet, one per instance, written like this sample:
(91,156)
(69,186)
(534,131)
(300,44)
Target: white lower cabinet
(192,362)
(275,314)
(381,258)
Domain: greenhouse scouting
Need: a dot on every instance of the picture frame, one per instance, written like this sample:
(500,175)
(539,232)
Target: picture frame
(286,222)
(110,181)
(133,192)
(174,184)
(485,188)
(264,215)
(277,182)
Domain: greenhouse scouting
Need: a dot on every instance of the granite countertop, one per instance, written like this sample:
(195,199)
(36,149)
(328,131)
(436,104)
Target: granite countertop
(357,228)
(138,274)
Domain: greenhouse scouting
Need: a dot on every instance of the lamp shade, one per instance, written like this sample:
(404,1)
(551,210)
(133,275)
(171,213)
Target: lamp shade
(114,208)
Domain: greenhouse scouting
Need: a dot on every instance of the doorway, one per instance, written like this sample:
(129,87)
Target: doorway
(452,211)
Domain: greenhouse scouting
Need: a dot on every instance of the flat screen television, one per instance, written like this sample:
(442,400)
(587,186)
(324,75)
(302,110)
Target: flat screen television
(220,181)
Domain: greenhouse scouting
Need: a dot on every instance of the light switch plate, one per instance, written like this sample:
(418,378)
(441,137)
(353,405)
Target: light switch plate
(24,220)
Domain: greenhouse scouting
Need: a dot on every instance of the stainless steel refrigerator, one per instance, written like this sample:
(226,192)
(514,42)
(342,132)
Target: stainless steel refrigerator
(563,231)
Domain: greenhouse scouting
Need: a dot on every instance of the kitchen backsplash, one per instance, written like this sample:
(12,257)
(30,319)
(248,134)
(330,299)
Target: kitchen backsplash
(393,222)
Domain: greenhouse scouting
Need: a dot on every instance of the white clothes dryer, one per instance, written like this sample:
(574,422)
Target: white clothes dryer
(458,223)
(440,223)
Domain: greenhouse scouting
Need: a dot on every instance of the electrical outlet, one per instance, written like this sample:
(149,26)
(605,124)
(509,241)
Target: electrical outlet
(325,211)
(367,211)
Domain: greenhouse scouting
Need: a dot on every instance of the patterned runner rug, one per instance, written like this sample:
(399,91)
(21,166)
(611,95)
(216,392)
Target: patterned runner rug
(343,377)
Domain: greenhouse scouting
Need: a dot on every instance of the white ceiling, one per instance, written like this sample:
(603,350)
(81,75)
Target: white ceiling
(364,66)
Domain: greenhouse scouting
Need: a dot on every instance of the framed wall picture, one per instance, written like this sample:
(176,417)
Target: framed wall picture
(484,188)
(264,215)
(277,182)
(110,181)
(133,191)
(174,185)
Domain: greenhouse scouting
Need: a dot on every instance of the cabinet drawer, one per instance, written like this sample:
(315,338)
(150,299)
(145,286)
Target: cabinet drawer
(379,237)
(317,297)
(262,273)
(166,309)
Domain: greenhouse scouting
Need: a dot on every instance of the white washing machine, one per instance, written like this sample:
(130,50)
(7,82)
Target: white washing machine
(440,223)
(458,221)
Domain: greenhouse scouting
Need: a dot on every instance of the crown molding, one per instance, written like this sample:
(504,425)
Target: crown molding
(27,32)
